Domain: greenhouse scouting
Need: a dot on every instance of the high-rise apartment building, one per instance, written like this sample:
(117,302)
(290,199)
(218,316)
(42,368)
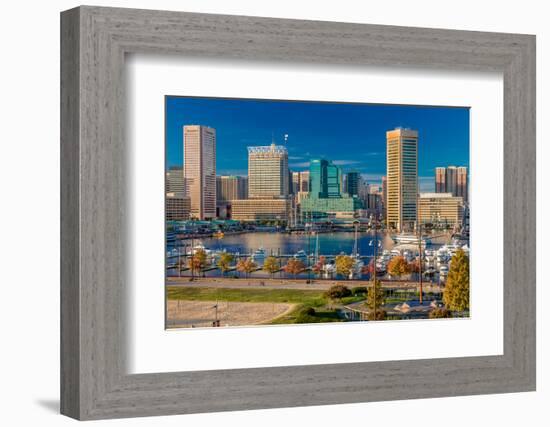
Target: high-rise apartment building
(440,180)
(268,175)
(452,179)
(199,169)
(231,188)
(402,178)
(462,183)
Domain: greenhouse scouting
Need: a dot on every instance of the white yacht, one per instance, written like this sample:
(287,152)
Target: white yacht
(258,256)
(409,239)
(328,270)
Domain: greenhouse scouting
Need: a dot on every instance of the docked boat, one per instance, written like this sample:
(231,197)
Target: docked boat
(258,256)
(409,239)
(301,255)
(328,269)
(199,246)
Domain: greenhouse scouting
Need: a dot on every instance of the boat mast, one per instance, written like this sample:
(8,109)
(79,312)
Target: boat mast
(316,247)
(355,242)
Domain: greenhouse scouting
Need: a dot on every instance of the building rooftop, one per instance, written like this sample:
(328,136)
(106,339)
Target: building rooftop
(265,149)
(435,195)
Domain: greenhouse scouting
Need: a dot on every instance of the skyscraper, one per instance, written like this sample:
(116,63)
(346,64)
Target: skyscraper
(268,175)
(325,196)
(452,179)
(325,179)
(304,181)
(300,182)
(352,183)
(440,175)
(402,178)
(295,182)
(174,180)
(231,188)
(199,169)
(462,183)
(318,178)
(384,193)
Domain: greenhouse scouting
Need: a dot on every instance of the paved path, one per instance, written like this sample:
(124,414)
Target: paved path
(318,285)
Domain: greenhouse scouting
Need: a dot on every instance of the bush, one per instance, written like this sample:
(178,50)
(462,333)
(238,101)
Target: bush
(338,292)
(308,311)
(306,315)
(359,290)
(440,313)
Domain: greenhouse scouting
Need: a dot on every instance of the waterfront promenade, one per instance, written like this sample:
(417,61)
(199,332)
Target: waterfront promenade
(300,284)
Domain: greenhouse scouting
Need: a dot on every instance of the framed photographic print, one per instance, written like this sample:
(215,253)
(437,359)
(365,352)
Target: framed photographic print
(299,212)
(272,232)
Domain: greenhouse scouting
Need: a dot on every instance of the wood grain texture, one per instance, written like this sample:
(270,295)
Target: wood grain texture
(94,272)
(70,291)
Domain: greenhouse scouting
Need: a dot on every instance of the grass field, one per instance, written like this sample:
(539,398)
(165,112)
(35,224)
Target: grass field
(303,299)
(292,296)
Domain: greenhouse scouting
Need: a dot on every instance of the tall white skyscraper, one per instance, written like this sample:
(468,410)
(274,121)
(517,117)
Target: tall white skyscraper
(199,170)
(268,176)
(402,178)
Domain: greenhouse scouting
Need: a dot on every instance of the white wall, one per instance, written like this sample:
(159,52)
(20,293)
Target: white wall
(29,177)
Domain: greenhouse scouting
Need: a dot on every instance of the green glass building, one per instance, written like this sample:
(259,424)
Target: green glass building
(325,179)
(352,183)
(326,195)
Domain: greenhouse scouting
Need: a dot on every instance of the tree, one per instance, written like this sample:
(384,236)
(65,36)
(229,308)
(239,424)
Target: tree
(376,298)
(456,296)
(294,266)
(198,261)
(414,267)
(246,266)
(377,315)
(344,265)
(318,266)
(337,292)
(181,263)
(271,265)
(224,263)
(369,268)
(440,313)
(398,266)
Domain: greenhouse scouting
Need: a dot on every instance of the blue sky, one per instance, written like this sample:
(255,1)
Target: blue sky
(351,135)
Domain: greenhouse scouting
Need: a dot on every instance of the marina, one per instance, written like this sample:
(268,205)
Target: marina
(316,251)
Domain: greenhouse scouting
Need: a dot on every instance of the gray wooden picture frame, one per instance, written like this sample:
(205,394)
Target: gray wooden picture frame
(94,381)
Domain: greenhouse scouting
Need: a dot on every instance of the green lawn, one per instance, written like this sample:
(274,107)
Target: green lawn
(291,296)
(302,298)
(298,316)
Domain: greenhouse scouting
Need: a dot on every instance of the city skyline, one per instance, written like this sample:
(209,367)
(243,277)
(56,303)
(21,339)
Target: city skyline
(314,131)
(330,201)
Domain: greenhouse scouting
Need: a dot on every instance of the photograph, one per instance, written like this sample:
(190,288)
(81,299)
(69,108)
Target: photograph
(281,212)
